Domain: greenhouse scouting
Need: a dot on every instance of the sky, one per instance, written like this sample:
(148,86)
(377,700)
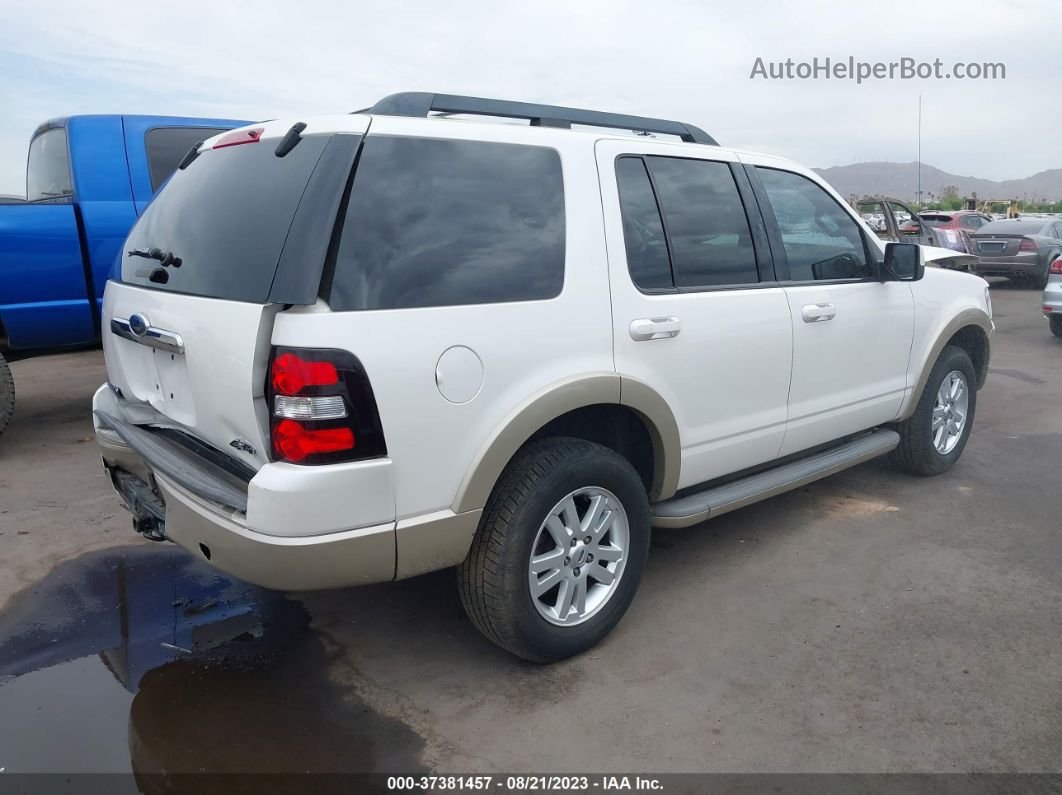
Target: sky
(683,59)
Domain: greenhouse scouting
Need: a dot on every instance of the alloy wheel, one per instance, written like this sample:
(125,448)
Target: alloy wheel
(578,557)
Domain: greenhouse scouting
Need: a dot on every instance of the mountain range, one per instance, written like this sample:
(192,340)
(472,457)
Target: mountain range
(900,180)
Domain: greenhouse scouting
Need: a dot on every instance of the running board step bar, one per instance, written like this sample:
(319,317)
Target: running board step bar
(694,508)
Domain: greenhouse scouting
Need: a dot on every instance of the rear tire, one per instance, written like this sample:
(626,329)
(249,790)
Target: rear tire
(527,540)
(925,449)
(7,394)
(1040,282)
(1056,325)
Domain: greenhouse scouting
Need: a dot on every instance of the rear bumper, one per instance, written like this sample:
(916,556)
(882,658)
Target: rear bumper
(337,560)
(202,518)
(1009,267)
(222,538)
(1052,299)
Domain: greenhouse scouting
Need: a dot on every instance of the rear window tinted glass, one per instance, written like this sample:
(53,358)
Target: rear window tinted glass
(442,222)
(48,169)
(1011,228)
(643,232)
(166,146)
(226,216)
(711,243)
(936,221)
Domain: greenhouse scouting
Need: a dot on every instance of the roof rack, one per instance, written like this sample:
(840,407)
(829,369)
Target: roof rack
(420,103)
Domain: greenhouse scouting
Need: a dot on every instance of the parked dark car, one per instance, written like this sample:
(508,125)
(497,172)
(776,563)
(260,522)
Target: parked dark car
(1022,249)
(954,227)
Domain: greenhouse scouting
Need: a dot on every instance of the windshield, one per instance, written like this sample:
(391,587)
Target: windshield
(218,226)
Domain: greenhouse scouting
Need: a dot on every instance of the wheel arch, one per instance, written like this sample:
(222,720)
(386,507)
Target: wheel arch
(969,330)
(589,407)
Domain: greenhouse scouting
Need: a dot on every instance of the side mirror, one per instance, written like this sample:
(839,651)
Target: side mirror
(904,262)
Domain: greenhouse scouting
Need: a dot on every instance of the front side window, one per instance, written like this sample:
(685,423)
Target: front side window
(444,222)
(167,146)
(874,214)
(821,240)
(907,220)
(48,169)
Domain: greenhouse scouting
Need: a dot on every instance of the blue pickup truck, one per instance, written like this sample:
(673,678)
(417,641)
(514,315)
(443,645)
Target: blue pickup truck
(87,180)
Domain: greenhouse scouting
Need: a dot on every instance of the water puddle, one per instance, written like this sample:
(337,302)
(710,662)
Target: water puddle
(144,661)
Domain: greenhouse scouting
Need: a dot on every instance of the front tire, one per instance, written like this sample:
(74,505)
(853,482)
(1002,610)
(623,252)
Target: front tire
(559,552)
(933,438)
(7,394)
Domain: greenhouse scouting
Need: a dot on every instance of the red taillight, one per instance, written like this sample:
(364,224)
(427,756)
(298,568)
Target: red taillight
(1056,267)
(323,408)
(290,374)
(1028,245)
(294,441)
(240,137)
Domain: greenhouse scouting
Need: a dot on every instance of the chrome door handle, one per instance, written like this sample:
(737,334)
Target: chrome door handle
(654,328)
(816,313)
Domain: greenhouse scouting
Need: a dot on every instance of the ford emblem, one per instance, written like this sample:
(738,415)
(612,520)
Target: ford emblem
(138,324)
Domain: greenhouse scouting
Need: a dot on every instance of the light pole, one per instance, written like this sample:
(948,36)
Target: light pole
(919,191)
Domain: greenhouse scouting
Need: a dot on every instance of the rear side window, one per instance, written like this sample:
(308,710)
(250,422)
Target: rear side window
(48,168)
(166,146)
(821,240)
(643,231)
(708,233)
(226,218)
(703,227)
(444,222)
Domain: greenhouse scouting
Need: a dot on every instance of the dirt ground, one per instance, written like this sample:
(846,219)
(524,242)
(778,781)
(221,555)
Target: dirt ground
(871,622)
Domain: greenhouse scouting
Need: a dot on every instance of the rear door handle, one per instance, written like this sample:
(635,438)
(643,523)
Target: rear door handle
(816,313)
(654,328)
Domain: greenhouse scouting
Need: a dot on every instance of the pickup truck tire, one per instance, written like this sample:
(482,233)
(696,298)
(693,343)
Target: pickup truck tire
(7,394)
(918,451)
(525,542)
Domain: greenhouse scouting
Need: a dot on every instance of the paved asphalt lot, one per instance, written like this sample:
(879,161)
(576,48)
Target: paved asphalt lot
(872,622)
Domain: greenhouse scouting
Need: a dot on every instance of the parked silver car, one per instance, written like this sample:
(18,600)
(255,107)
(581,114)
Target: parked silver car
(1018,248)
(1052,302)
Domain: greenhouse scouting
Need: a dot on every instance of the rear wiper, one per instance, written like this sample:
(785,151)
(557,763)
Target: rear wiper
(165,257)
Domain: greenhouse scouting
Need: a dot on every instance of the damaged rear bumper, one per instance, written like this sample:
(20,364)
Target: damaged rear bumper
(174,496)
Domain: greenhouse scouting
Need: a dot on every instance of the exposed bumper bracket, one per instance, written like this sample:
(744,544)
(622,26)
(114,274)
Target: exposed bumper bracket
(178,464)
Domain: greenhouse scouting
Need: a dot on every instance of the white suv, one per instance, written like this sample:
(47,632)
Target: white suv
(368,346)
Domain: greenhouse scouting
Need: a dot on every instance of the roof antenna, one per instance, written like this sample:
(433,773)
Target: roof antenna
(291,139)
